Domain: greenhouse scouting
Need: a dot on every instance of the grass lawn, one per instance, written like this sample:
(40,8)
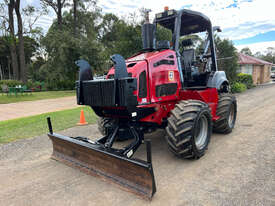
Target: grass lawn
(5,99)
(26,127)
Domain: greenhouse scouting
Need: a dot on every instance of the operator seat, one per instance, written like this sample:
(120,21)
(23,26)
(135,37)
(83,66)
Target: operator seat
(192,77)
(188,58)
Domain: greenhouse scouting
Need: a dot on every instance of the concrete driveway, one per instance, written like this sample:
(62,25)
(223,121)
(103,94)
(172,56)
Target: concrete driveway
(238,169)
(29,108)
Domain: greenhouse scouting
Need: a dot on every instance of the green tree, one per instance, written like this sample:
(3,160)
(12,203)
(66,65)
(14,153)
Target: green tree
(163,34)
(30,47)
(57,6)
(258,54)
(118,36)
(63,48)
(5,58)
(270,55)
(26,18)
(35,69)
(246,51)
(7,19)
(227,57)
(22,61)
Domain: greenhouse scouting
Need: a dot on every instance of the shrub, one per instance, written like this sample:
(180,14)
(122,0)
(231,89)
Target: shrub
(245,79)
(36,86)
(238,87)
(60,85)
(66,85)
(11,82)
(51,85)
(29,84)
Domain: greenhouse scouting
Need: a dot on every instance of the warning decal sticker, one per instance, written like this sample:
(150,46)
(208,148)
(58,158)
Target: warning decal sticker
(171,76)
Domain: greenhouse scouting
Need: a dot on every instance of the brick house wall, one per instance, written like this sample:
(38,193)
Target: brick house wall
(256,75)
(266,73)
(259,69)
(261,74)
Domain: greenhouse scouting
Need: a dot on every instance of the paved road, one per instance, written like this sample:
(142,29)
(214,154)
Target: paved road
(28,108)
(238,169)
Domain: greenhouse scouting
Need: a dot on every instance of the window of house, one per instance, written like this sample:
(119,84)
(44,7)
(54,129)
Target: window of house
(247,69)
(239,69)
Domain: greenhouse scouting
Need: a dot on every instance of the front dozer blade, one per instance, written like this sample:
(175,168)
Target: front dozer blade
(132,175)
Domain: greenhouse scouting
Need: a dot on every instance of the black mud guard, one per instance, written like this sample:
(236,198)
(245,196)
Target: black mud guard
(120,66)
(85,73)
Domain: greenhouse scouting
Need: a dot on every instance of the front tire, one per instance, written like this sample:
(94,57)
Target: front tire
(227,111)
(107,124)
(103,123)
(189,129)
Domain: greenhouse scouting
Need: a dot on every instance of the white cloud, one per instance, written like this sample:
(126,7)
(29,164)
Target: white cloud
(247,19)
(29,1)
(261,46)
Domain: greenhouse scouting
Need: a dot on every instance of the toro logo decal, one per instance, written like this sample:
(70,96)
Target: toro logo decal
(171,76)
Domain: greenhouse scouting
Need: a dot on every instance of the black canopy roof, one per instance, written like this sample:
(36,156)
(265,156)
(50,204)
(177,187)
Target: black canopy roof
(191,22)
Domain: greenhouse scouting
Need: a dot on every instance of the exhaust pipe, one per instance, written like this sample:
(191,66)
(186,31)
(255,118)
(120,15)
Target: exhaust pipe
(148,34)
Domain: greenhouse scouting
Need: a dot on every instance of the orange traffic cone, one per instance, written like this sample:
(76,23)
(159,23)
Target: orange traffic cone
(82,120)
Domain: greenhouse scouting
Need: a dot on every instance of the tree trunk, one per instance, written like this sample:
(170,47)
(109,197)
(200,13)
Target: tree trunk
(23,68)
(59,13)
(1,73)
(57,6)
(12,45)
(9,68)
(75,10)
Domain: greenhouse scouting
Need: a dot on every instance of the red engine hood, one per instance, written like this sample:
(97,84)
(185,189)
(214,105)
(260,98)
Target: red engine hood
(137,62)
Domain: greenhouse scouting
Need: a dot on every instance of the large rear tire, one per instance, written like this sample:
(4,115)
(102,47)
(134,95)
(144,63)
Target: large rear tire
(227,111)
(189,129)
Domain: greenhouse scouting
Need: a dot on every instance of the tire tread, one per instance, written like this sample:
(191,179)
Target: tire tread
(225,101)
(180,127)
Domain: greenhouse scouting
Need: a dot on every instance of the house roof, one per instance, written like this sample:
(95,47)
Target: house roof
(245,59)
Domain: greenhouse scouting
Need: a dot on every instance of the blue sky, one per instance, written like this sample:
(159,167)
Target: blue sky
(246,22)
(267,36)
